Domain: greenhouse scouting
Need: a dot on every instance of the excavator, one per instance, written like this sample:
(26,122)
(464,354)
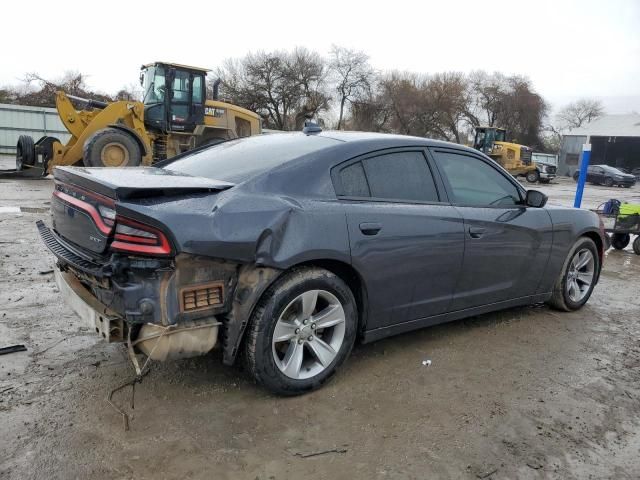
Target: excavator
(515,158)
(173,117)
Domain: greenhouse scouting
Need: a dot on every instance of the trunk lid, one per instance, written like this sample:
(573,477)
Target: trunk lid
(84,201)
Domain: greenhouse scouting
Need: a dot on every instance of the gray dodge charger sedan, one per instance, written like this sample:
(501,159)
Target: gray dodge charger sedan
(285,249)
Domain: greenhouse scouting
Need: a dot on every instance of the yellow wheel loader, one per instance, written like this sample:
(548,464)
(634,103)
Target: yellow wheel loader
(172,118)
(515,158)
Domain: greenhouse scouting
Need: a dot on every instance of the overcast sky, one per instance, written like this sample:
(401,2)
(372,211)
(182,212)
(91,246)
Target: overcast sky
(569,49)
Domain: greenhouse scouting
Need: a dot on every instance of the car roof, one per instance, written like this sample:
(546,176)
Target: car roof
(376,138)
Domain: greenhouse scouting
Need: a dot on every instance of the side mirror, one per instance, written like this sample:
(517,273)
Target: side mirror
(535,199)
(141,79)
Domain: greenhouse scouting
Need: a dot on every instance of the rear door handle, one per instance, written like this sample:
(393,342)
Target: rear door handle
(476,232)
(370,228)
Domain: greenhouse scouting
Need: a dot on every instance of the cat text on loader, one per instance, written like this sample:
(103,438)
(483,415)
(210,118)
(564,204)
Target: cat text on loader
(515,158)
(173,117)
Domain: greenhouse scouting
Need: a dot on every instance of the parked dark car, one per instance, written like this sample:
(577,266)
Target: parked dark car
(293,246)
(608,176)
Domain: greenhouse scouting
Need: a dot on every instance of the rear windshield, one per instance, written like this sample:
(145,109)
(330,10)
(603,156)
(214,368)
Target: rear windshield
(238,160)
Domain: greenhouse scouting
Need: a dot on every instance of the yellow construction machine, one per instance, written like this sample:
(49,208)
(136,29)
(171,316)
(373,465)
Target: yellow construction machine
(515,158)
(173,117)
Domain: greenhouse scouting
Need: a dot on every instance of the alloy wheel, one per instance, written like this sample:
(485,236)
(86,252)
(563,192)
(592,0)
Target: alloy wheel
(308,334)
(580,275)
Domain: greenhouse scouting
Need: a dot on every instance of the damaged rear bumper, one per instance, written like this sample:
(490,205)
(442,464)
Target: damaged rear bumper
(167,308)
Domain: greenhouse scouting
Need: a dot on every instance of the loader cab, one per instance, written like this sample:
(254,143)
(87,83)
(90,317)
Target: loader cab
(174,97)
(487,136)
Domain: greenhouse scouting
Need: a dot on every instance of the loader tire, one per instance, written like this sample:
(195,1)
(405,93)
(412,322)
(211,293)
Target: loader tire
(111,147)
(25,152)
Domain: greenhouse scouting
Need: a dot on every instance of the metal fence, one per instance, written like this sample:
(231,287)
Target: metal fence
(16,120)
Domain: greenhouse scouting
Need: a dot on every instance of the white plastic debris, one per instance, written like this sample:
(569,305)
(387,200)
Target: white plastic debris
(426,363)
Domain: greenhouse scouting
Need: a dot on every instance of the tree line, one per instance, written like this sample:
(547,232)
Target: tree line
(344,91)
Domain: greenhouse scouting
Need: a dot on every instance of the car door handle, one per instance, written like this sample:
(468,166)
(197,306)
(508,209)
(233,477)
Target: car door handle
(476,232)
(370,228)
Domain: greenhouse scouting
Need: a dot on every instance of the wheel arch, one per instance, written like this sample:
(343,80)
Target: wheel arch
(253,282)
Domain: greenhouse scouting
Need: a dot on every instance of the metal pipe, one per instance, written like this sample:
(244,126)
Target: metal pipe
(216,88)
(91,103)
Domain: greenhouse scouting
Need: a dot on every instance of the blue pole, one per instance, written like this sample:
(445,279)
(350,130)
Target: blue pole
(584,165)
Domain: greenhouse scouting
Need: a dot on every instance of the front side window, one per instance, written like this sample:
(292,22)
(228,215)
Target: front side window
(474,182)
(399,176)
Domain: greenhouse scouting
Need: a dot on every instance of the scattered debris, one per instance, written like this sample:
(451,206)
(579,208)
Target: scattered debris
(8,389)
(534,465)
(12,349)
(321,452)
(18,299)
(426,363)
(487,474)
(45,272)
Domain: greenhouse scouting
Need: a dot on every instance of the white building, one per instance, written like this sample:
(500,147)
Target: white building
(615,141)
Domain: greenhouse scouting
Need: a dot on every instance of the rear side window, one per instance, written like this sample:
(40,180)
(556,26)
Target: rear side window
(354,182)
(402,176)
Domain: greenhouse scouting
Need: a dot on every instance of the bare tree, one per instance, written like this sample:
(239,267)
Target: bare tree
(576,114)
(40,92)
(353,76)
(283,87)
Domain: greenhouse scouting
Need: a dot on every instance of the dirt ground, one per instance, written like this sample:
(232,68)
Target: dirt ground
(524,393)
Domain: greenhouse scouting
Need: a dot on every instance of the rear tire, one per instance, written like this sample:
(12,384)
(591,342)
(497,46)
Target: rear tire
(608,182)
(636,245)
(533,176)
(576,175)
(270,354)
(619,241)
(607,242)
(111,147)
(576,280)
(25,152)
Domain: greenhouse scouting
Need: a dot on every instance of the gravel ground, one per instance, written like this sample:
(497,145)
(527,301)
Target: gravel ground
(523,393)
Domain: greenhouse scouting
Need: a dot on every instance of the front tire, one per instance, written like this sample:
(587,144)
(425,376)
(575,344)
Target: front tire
(608,182)
(533,176)
(301,331)
(636,245)
(111,147)
(577,278)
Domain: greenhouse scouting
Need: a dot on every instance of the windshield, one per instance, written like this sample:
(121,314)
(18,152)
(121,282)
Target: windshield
(153,85)
(500,135)
(238,160)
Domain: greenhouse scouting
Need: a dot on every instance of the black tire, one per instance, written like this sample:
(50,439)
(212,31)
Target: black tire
(619,241)
(258,348)
(607,241)
(533,176)
(608,182)
(576,176)
(25,152)
(126,151)
(636,245)
(560,299)
(626,185)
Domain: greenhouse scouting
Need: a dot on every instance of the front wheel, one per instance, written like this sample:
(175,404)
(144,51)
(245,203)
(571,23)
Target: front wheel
(533,176)
(636,245)
(301,331)
(608,182)
(111,147)
(578,276)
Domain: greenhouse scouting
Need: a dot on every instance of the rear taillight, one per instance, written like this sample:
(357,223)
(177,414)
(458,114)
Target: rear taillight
(135,237)
(101,220)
